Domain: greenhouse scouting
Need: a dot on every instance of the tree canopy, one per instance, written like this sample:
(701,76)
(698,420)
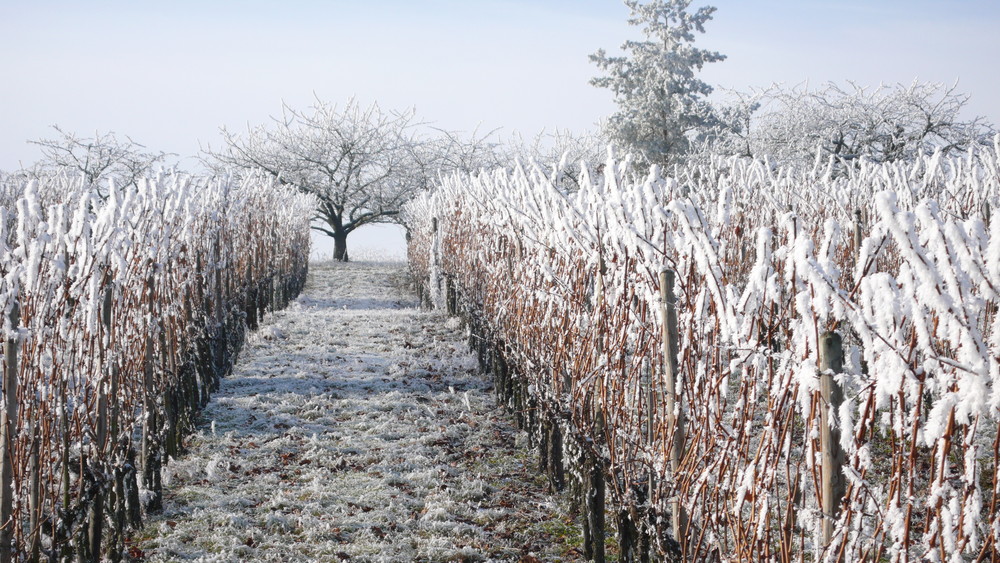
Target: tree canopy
(661,101)
(800,125)
(99,159)
(361,163)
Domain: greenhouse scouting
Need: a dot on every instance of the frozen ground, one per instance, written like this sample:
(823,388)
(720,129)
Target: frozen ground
(355,428)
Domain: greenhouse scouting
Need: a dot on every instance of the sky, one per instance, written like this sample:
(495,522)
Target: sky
(169,74)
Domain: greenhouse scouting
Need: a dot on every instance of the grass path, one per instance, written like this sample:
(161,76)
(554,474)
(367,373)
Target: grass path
(356,428)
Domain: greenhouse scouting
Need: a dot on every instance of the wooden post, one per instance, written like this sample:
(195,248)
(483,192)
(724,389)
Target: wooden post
(107,343)
(674,415)
(857,230)
(434,281)
(220,314)
(8,430)
(831,362)
(113,374)
(106,422)
(150,455)
(434,241)
(543,448)
(165,390)
(250,295)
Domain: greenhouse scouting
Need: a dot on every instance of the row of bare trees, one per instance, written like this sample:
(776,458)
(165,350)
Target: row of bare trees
(800,125)
(359,163)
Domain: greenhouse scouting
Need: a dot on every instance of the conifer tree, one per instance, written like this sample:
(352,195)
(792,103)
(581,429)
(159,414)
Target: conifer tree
(661,101)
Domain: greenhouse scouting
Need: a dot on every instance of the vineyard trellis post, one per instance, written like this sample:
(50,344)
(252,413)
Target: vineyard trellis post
(434,281)
(674,414)
(857,230)
(219,314)
(105,417)
(151,460)
(8,430)
(831,363)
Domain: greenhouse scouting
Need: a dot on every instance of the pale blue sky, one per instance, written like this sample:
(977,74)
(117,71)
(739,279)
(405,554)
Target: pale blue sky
(170,73)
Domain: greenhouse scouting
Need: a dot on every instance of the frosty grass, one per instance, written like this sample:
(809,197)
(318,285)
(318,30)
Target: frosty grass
(356,428)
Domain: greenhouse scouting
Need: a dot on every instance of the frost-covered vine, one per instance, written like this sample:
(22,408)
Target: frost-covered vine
(901,259)
(131,304)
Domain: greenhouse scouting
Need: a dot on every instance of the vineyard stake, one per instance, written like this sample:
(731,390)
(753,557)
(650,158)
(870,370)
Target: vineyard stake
(434,280)
(674,414)
(857,230)
(217,311)
(8,430)
(150,445)
(831,363)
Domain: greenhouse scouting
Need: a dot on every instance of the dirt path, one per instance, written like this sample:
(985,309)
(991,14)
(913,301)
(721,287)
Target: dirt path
(356,428)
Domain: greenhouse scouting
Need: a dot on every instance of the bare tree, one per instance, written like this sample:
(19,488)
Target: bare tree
(567,155)
(800,126)
(361,163)
(454,151)
(101,158)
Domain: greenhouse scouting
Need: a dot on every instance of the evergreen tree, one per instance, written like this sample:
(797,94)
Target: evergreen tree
(661,101)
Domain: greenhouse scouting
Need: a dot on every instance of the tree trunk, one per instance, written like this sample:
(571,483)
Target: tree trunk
(340,247)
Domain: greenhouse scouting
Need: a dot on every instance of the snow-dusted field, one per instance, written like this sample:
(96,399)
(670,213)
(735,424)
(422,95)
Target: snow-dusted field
(356,427)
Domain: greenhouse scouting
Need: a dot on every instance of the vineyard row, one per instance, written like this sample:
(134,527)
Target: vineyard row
(122,309)
(752,363)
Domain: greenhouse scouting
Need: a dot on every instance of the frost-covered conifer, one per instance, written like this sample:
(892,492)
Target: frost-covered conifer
(660,99)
